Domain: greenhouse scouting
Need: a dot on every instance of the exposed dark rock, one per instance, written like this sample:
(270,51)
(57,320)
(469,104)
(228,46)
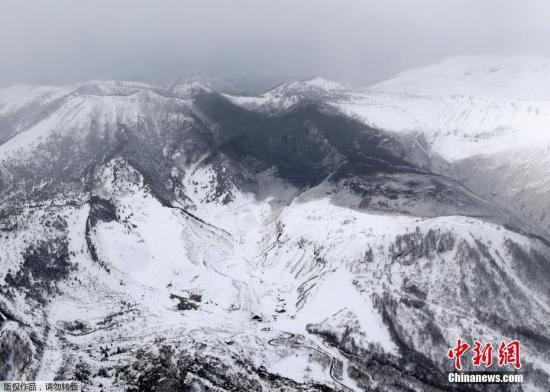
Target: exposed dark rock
(184,303)
(44,263)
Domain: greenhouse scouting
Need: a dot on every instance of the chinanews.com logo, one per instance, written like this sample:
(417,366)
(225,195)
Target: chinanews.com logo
(503,360)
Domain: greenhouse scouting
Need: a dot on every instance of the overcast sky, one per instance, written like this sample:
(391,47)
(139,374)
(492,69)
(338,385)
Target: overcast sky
(60,41)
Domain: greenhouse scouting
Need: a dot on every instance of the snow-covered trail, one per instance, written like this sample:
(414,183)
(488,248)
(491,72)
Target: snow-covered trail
(290,340)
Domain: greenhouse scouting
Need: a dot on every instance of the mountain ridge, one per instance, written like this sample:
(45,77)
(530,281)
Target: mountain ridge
(187,240)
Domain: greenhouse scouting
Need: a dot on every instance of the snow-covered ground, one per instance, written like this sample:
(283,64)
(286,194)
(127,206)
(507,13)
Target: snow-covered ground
(298,282)
(488,117)
(294,266)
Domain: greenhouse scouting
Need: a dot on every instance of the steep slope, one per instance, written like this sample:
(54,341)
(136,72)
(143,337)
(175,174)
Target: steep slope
(465,106)
(289,94)
(482,120)
(170,237)
(486,117)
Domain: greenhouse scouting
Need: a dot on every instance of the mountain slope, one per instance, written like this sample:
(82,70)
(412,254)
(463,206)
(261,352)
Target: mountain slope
(481,120)
(171,237)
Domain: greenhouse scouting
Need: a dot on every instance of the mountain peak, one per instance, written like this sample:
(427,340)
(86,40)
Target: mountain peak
(491,76)
(316,84)
(188,88)
(210,83)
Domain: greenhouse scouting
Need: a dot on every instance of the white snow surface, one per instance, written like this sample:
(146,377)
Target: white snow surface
(294,263)
(74,110)
(464,106)
(256,258)
(289,94)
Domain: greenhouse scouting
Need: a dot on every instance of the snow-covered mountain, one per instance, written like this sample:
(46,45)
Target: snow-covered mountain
(287,95)
(483,120)
(487,117)
(188,239)
(465,106)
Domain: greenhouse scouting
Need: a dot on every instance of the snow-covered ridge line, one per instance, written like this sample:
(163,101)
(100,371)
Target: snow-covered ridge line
(464,106)
(173,236)
(496,77)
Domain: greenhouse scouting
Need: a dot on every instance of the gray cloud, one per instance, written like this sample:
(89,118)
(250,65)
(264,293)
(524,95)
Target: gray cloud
(60,41)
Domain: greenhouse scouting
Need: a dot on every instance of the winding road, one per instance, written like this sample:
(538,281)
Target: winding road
(286,341)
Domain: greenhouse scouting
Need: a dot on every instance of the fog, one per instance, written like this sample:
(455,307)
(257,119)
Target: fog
(63,41)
